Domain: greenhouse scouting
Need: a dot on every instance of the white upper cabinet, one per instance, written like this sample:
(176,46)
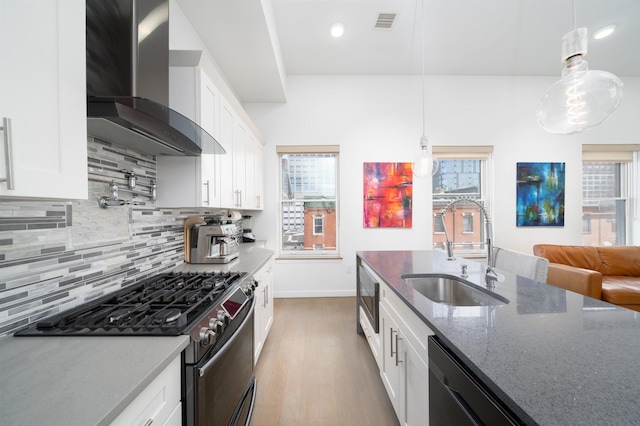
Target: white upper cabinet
(227,125)
(259,178)
(209,180)
(43,140)
(239,165)
(192,181)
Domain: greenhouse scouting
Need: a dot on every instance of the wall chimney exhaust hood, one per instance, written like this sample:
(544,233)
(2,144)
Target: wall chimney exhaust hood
(128,81)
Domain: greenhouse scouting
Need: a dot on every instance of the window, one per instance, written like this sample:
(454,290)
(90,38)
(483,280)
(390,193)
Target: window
(463,173)
(608,188)
(309,201)
(467,223)
(438,227)
(318,225)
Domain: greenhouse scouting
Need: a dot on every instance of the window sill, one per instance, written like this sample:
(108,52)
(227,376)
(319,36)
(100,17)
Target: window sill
(314,258)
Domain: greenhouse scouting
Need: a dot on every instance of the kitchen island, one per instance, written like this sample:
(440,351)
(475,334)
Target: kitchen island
(90,380)
(551,356)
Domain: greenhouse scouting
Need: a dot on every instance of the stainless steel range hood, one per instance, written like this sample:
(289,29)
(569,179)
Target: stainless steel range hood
(128,81)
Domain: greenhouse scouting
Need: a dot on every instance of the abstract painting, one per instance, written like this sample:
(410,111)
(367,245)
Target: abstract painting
(388,189)
(540,194)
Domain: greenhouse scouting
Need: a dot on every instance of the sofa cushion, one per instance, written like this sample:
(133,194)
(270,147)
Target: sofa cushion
(579,256)
(621,290)
(620,260)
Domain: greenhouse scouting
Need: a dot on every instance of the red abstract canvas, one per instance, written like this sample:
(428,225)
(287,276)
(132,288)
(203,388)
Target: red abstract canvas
(388,189)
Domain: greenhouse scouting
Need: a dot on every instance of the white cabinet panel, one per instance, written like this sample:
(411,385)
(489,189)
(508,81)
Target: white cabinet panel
(158,402)
(390,370)
(227,124)
(405,361)
(263,318)
(192,181)
(259,178)
(373,338)
(43,96)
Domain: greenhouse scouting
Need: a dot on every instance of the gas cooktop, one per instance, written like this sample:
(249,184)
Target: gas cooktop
(165,304)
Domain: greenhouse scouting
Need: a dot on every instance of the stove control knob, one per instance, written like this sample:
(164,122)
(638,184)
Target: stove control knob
(207,336)
(216,325)
(247,289)
(224,317)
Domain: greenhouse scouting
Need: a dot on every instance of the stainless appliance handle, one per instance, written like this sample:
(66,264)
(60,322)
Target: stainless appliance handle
(8,152)
(245,323)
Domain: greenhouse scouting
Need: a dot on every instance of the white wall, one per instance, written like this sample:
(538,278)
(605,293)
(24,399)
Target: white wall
(378,118)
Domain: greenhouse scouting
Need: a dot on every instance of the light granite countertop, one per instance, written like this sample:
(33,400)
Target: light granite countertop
(552,356)
(84,381)
(78,380)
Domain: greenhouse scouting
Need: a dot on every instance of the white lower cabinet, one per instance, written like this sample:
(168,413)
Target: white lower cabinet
(405,362)
(373,338)
(263,315)
(159,403)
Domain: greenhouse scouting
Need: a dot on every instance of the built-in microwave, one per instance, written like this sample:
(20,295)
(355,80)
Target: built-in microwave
(369,291)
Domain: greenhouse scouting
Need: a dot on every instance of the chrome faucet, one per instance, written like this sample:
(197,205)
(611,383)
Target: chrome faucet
(491,275)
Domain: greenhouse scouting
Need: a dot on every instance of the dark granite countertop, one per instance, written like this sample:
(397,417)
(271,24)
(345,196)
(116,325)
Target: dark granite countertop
(554,357)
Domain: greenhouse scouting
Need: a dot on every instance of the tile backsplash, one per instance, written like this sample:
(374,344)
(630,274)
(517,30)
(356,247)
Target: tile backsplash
(57,254)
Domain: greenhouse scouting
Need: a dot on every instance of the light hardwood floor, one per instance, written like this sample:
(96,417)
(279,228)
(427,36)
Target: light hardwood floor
(316,370)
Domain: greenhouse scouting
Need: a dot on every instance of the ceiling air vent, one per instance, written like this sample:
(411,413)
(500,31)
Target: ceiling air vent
(385,20)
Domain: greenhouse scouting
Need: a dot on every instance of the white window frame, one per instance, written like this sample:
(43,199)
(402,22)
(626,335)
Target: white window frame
(484,153)
(629,157)
(314,252)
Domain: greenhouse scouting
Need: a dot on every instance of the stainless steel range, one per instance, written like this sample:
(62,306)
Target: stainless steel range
(215,309)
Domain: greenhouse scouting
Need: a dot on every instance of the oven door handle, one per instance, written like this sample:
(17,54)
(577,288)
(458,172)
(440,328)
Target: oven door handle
(245,323)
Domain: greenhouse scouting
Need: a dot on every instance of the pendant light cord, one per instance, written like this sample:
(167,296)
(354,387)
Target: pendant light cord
(573,6)
(423,96)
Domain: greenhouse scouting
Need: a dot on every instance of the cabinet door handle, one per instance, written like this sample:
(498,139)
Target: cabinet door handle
(257,201)
(391,341)
(8,152)
(397,349)
(208,192)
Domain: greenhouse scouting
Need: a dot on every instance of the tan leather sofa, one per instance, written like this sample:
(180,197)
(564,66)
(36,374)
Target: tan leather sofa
(608,273)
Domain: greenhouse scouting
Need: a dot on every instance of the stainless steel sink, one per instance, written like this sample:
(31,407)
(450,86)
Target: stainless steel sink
(451,290)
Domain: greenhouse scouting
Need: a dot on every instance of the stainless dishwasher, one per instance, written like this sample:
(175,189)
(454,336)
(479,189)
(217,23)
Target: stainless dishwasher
(458,398)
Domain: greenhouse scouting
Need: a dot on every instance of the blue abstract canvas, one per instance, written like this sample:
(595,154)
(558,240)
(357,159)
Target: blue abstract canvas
(540,194)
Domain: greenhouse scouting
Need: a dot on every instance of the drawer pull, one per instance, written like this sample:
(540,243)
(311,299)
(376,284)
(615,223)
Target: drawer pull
(8,152)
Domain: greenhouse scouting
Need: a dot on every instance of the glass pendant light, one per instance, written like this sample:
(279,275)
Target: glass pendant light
(425,164)
(582,98)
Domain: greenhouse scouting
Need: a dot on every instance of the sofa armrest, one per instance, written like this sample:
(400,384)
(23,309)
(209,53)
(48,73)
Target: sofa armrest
(578,280)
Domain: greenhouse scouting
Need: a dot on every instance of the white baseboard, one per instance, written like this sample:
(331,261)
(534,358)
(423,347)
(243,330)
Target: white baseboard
(313,293)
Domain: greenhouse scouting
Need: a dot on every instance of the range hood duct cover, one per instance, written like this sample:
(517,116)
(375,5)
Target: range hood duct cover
(128,81)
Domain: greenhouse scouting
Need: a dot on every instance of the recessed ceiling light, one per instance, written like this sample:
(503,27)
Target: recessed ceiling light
(337,29)
(604,32)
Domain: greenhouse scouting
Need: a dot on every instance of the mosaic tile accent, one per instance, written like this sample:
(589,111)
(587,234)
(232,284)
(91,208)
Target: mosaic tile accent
(56,255)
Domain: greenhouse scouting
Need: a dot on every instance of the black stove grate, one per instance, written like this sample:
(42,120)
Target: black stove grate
(165,304)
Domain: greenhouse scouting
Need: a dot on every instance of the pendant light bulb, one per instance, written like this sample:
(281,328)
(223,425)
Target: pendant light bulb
(581,98)
(425,164)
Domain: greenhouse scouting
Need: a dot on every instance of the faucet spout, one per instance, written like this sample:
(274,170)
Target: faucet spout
(488,231)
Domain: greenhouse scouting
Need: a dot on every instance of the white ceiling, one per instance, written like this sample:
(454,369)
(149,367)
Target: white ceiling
(257,43)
